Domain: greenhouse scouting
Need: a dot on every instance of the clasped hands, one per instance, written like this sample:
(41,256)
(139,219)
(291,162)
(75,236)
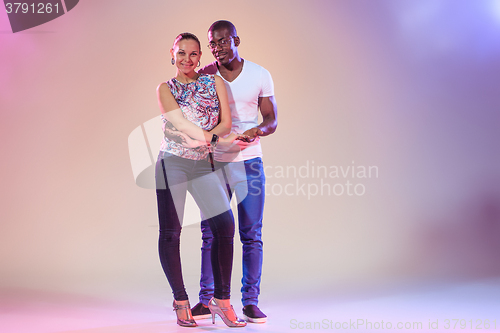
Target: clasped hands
(186,141)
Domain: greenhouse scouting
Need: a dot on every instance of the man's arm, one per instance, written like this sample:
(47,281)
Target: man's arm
(209,69)
(269,111)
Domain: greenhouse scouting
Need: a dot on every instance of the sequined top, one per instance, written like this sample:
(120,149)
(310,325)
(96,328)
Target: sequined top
(199,104)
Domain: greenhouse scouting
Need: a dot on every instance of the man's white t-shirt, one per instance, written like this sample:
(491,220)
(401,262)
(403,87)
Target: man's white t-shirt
(253,82)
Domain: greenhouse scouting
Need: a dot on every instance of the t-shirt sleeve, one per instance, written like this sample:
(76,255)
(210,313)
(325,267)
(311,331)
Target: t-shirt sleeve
(267,85)
(209,69)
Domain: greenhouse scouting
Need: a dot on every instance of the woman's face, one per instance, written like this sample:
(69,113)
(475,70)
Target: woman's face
(186,54)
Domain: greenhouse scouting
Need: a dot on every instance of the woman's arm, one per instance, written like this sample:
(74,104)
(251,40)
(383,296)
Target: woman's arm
(224,126)
(172,112)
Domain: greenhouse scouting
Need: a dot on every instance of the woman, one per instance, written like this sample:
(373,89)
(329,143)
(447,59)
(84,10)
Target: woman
(195,106)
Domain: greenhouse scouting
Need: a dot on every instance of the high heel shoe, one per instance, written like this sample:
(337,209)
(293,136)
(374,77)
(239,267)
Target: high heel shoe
(216,309)
(183,312)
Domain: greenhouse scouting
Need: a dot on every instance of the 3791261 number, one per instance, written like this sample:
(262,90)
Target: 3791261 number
(477,324)
(39,8)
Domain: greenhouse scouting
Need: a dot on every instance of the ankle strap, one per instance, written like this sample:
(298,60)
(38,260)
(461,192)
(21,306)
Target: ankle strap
(180,307)
(227,309)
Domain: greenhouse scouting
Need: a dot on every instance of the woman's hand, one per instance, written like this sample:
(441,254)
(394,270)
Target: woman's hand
(181,138)
(228,139)
(189,142)
(228,144)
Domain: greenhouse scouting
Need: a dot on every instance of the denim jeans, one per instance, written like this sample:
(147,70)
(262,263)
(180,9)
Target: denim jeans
(248,185)
(174,177)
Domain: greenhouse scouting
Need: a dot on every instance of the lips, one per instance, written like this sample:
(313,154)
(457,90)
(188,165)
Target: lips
(221,55)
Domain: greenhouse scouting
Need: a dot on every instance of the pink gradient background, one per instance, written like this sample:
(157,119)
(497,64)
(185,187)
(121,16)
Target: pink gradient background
(408,86)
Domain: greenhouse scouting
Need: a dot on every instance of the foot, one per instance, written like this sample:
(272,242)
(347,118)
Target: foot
(183,312)
(225,305)
(226,312)
(200,311)
(252,314)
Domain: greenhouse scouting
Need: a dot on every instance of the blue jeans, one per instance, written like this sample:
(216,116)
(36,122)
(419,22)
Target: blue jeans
(174,177)
(249,181)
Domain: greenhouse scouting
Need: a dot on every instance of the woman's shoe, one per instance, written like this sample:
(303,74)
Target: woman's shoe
(223,314)
(183,312)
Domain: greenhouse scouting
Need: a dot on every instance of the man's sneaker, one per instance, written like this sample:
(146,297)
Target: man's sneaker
(200,311)
(252,314)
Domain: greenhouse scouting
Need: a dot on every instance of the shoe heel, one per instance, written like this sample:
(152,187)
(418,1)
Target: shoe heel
(183,313)
(216,309)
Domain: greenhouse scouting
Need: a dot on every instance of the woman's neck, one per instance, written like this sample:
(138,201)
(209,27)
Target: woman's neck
(186,78)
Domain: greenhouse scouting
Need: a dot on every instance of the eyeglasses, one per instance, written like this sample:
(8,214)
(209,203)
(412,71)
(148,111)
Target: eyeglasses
(222,43)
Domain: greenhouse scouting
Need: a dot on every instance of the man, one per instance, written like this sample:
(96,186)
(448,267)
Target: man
(250,89)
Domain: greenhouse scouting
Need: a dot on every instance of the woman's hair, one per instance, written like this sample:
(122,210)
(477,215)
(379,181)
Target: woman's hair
(186,35)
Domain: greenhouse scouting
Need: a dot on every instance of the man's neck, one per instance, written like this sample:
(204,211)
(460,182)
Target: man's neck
(231,70)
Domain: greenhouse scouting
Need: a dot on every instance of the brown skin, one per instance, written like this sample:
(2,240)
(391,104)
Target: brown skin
(230,65)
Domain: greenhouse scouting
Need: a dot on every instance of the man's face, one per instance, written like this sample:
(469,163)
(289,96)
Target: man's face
(223,45)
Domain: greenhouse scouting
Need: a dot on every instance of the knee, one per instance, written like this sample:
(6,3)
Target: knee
(222,226)
(226,231)
(170,235)
(207,241)
(251,237)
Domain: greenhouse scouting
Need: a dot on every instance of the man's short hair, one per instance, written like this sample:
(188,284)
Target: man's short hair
(223,24)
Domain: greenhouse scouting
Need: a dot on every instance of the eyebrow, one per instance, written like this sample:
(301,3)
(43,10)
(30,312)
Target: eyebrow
(218,40)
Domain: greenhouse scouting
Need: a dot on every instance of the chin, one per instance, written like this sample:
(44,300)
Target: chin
(186,70)
(223,62)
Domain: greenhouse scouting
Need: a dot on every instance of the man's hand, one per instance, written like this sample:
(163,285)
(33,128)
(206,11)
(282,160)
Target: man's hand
(251,134)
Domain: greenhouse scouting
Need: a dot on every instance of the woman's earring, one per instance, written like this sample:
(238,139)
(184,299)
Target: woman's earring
(199,63)
(173,62)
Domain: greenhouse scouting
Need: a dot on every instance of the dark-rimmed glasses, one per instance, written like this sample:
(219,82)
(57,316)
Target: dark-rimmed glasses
(222,43)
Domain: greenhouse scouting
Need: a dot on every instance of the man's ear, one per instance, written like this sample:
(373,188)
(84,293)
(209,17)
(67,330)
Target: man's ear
(237,41)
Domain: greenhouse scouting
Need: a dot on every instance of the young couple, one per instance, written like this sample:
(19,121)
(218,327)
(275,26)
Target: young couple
(213,113)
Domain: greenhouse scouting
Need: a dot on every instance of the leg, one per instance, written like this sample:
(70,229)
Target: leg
(207,279)
(250,214)
(212,200)
(170,200)
(222,227)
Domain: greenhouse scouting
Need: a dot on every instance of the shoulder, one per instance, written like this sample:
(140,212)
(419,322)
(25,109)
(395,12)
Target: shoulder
(218,79)
(257,70)
(209,69)
(164,87)
(207,79)
(255,67)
